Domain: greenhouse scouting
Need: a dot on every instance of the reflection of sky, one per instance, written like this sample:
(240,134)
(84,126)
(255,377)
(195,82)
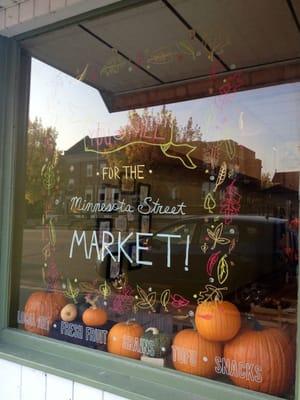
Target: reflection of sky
(264,120)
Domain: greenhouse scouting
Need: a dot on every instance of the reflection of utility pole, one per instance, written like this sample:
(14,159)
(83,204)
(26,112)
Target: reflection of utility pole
(274,158)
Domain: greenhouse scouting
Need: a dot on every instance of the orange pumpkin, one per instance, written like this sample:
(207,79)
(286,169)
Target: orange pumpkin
(94,316)
(124,339)
(217,320)
(194,355)
(261,360)
(41,310)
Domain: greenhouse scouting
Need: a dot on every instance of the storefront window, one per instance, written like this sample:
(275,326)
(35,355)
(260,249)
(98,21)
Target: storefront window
(168,234)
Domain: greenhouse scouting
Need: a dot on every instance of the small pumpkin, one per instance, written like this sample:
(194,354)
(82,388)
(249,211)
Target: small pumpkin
(41,310)
(124,339)
(261,360)
(217,320)
(154,343)
(94,316)
(194,355)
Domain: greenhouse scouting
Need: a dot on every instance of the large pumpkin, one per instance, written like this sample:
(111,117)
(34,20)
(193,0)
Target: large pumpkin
(261,360)
(217,320)
(41,310)
(194,355)
(124,339)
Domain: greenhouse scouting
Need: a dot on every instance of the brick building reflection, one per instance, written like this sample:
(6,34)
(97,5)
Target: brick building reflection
(171,182)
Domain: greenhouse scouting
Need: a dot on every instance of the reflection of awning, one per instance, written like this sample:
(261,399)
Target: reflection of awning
(161,44)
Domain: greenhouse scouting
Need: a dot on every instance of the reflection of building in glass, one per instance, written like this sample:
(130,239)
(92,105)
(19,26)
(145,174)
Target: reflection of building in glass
(186,185)
(282,195)
(289,180)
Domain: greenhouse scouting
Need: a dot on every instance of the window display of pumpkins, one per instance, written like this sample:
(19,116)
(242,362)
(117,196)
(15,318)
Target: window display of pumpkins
(155,343)
(259,359)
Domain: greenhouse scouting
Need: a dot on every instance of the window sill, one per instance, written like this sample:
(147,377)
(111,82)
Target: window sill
(124,377)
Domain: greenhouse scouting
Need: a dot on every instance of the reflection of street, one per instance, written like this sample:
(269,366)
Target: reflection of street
(32,260)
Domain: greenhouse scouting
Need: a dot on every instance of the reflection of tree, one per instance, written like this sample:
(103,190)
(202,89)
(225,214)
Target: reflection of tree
(41,148)
(266,180)
(162,122)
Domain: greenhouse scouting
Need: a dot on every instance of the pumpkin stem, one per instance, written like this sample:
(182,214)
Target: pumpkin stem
(154,331)
(130,320)
(92,301)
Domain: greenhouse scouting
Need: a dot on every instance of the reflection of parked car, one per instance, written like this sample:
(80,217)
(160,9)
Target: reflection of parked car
(253,250)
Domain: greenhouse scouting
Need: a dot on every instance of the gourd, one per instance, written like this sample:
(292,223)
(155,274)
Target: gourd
(217,320)
(154,343)
(124,339)
(261,360)
(194,355)
(69,312)
(40,308)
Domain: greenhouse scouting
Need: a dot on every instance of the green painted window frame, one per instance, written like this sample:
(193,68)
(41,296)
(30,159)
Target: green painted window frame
(124,377)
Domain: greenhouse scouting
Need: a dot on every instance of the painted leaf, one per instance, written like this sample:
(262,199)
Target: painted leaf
(146,300)
(165,298)
(105,290)
(211,293)
(231,204)
(186,48)
(178,301)
(221,176)
(216,235)
(223,270)
(209,203)
(211,262)
(71,292)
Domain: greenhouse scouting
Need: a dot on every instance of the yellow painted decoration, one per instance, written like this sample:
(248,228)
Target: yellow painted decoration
(170,145)
(216,235)
(211,293)
(71,292)
(105,290)
(209,203)
(187,48)
(145,301)
(48,176)
(165,298)
(221,176)
(222,270)
(81,77)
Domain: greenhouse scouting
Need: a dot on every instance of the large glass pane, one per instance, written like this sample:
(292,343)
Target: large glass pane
(168,234)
